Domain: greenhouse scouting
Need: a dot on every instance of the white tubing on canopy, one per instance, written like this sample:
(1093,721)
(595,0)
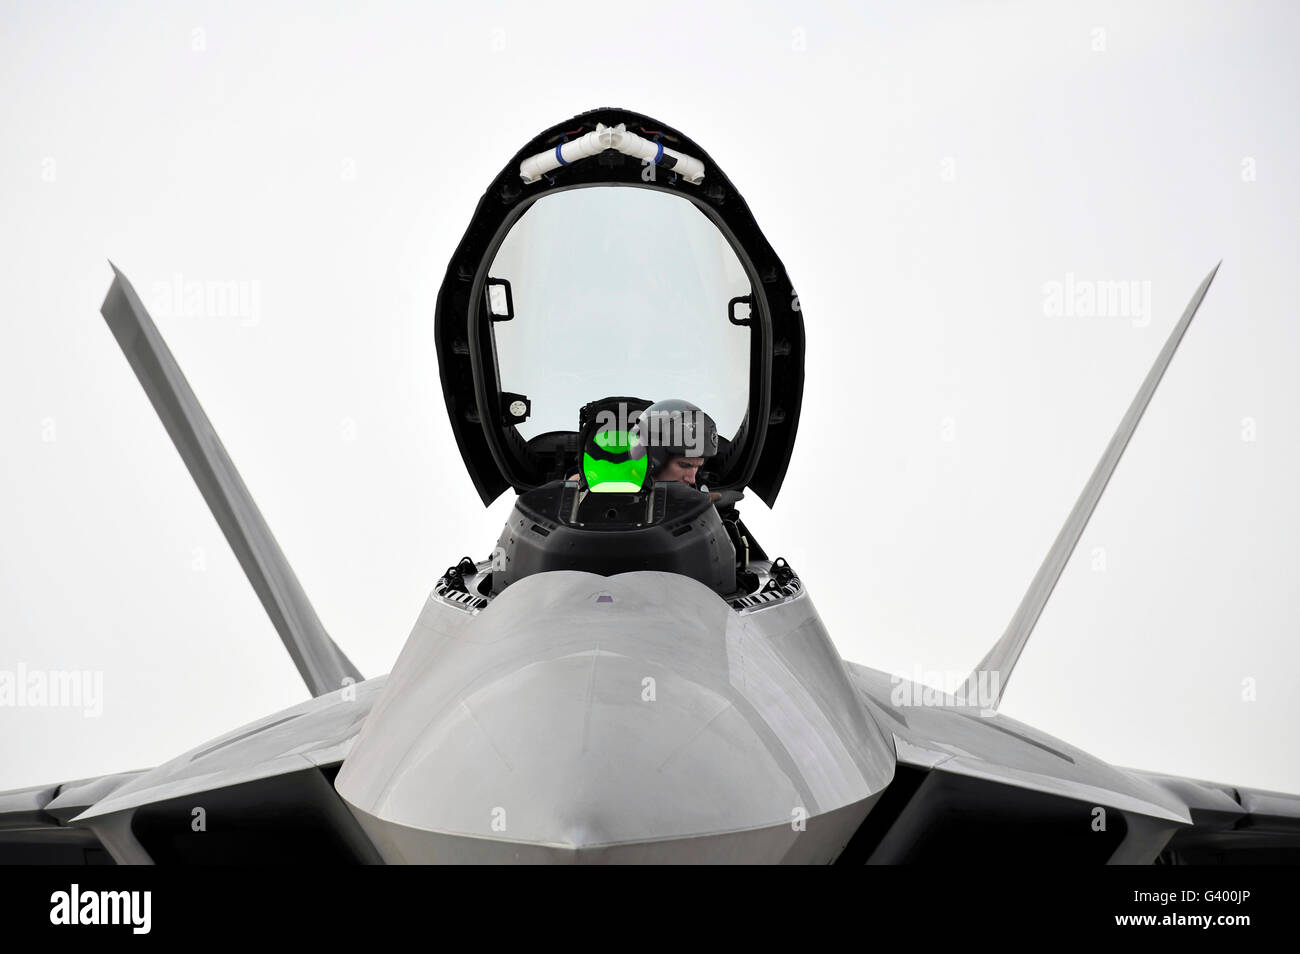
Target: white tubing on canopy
(610,137)
(630,144)
(534,168)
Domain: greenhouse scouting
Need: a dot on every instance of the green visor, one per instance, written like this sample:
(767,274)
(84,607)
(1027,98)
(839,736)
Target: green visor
(609,465)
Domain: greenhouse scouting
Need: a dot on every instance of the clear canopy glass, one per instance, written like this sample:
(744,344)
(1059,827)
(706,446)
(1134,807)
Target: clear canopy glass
(620,290)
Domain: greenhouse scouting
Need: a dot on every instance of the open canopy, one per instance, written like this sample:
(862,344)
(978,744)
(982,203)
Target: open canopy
(611,256)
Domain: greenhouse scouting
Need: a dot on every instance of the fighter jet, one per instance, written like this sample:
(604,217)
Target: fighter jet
(628,676)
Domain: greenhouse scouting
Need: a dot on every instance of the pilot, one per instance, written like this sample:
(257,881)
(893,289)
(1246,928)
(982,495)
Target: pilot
(680,468)
(677,437)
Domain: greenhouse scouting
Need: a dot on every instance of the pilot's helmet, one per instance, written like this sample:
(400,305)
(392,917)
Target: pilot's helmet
(673,428)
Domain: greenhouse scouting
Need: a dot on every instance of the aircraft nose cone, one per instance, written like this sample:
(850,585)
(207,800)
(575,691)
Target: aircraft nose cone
(591,751)
(653,739)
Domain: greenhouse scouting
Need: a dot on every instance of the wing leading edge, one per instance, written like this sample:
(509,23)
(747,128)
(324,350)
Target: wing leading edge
(973,783)
(260,794)
(1000,661)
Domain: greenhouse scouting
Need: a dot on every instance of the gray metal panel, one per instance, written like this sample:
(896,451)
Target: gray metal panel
(75,797)
(1001,659)
(317,732)
(25,807)
(33,820)
(961,740)
(1209,803)
(322,664)
(536,706)
(818,844)
(1219,807)
(1276,810)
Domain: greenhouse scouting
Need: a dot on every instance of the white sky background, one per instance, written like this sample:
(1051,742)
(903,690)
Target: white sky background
(923,171)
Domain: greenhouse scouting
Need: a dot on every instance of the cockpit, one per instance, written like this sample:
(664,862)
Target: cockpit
(618,513)
(610,266)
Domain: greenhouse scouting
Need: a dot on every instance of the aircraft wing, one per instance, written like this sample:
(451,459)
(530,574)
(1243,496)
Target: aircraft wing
(971,782)
(33,822)
(1230,824)
(262,794)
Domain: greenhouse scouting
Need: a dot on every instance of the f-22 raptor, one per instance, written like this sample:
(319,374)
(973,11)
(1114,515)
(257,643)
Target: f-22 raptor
(629,677)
